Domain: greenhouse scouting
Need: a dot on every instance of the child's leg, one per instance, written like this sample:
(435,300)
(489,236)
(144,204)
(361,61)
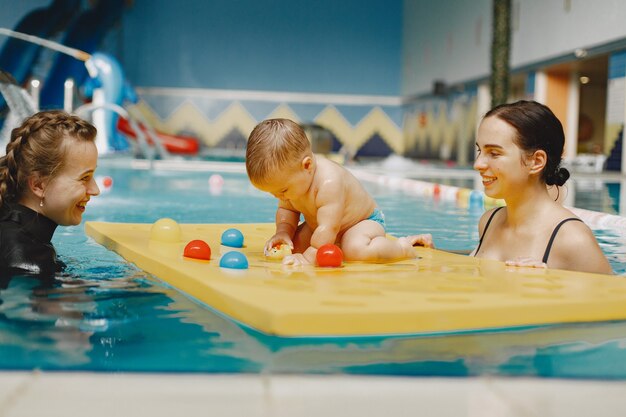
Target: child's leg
(366,241)
(302,238)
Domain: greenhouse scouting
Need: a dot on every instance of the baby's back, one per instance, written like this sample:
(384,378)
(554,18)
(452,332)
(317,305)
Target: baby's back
(358,203)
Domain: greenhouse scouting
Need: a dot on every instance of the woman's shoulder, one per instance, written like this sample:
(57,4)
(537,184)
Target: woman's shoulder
(22,251)
(23,227)
(492,211)
(573,230)
(575,247)
(13,234)
(13,216)
(487,215)
(568,221)
(8,217)
(573,234)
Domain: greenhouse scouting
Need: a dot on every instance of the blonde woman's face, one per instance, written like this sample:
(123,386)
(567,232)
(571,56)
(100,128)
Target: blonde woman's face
(66,195)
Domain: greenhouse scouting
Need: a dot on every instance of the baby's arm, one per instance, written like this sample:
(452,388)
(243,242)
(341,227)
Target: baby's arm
(286,225)
(330,211)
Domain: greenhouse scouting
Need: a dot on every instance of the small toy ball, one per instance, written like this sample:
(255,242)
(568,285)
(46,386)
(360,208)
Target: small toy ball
(436,190)
(329,255)
(216,180)
(234,260)
(104,182)
(476,199)
(232,238)
(278,251)
(165,230)
(197,249)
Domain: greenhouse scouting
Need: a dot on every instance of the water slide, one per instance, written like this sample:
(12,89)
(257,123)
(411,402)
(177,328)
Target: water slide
(181,145)
(18,57)
(85,33)
(20,106)
(110,92)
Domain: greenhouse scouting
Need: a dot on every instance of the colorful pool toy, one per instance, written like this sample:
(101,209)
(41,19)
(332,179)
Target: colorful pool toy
(278,252)
(234,260)
(233,238)
(438,293)
(105,183)
(197,249)
(329,255)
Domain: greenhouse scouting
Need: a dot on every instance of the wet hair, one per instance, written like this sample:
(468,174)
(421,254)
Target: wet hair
(275,144)
(537,129)
(39,146)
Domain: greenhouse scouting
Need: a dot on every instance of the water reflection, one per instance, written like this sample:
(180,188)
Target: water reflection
(39,319)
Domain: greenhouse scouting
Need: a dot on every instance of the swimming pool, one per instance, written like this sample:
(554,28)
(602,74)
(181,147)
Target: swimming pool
(106,315)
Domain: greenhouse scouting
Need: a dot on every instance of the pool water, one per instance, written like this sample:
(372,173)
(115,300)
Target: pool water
(104,314)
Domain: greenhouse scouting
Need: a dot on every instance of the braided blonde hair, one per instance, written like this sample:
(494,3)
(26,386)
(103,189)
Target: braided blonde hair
(39,146)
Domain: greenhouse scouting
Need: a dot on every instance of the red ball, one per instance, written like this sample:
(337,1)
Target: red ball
(107,182)
(329,255)
(197,249)
(436,190)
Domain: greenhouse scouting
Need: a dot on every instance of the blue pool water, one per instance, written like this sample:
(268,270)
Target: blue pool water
(106,315)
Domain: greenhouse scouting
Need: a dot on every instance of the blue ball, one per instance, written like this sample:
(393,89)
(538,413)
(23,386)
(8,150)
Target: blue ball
(234,260)
(476,199)
(232,238)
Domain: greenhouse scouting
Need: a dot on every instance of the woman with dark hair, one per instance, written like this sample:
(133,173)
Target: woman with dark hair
(519,155)
(46,179)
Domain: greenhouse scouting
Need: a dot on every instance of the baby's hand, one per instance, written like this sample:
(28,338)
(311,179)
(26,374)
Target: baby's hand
(526,262)
(296,259)
(278,252)
(277,240)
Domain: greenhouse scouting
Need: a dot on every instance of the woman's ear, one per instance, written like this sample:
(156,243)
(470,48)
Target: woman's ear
(538,161)
(37,184)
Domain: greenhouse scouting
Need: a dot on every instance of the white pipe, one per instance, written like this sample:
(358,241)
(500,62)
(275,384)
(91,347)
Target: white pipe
(76,53)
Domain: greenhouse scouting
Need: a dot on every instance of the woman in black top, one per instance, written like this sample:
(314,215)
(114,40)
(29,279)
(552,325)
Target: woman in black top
(46,179)
(519,156)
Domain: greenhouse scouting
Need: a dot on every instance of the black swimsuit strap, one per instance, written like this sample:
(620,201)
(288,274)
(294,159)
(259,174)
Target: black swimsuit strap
(480,242)
(554,232)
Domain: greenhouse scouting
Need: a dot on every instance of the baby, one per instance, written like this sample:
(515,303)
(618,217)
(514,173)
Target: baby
(335,206)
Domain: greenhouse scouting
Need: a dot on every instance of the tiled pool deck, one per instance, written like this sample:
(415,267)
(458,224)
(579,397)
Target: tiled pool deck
(90,394)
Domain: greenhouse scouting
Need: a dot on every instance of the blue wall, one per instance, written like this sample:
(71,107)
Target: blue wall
(323,46)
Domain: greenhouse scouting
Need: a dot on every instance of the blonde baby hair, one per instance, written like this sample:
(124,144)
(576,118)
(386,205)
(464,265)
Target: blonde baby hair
(275,144)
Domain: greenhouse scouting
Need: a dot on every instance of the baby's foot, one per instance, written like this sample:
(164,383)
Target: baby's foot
(425,240)
(407,247)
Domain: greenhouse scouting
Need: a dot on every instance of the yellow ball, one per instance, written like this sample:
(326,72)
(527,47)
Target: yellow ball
(462,197)
(165,230)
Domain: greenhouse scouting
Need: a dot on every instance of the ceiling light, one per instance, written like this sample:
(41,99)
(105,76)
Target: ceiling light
(580,52)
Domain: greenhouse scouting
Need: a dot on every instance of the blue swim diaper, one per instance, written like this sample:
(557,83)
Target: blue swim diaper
(379,217)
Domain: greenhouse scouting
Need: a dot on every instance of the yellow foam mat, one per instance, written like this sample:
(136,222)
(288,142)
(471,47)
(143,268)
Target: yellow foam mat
(437,292)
